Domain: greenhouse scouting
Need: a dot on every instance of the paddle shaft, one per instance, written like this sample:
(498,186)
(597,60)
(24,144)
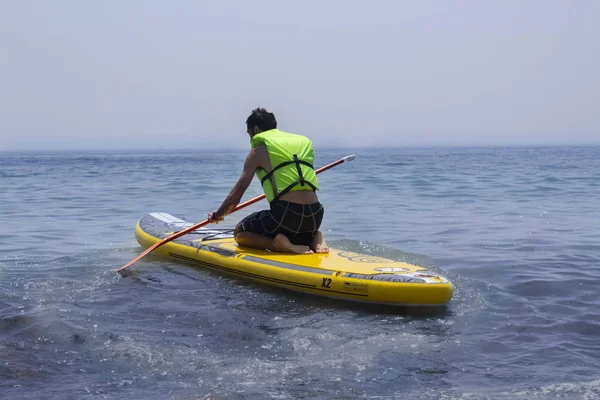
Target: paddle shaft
(206,222)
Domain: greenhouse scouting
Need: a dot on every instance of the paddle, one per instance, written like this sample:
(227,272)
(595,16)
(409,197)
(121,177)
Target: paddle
(205,222)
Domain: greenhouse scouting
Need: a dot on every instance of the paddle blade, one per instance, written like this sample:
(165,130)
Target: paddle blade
(157,244)
(139,257)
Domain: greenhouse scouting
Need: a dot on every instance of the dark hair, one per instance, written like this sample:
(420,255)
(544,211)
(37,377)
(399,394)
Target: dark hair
(262,118)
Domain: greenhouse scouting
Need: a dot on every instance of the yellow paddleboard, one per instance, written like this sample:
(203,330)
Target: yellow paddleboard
(340,274)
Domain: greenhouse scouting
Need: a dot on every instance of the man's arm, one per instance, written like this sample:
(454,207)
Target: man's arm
(235,196)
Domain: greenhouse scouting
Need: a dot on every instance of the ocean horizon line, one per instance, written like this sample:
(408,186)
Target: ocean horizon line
(117,150)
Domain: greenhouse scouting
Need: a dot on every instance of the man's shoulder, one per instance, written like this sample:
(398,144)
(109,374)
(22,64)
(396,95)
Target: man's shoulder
(259,151)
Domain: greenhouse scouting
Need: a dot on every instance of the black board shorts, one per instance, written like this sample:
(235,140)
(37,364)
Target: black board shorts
(299,222)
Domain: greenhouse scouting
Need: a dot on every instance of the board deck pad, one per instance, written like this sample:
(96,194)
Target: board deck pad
(222,241)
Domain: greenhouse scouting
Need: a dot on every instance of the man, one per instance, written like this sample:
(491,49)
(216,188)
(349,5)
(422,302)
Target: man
(283,162)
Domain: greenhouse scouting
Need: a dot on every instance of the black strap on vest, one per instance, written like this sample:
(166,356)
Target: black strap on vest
(300,180)
(299,170)
(285,164)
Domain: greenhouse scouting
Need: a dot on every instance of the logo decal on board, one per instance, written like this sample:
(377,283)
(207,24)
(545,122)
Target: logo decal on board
(352,287)
(364,258)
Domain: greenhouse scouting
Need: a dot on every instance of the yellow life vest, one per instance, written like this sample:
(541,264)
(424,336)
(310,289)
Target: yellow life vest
(292,158)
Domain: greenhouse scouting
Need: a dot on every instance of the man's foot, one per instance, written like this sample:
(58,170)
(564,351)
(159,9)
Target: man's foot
(283,245)
(319,244)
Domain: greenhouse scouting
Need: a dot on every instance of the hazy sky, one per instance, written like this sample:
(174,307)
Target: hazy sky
(186,74)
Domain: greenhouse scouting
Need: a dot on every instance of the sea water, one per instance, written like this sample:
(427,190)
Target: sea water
(516,229)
